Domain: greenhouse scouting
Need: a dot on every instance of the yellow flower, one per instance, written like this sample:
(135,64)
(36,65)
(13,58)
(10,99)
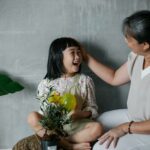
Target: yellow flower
(54,97)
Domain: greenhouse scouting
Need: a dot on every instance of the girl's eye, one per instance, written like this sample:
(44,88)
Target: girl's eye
(79,53)
(72,53)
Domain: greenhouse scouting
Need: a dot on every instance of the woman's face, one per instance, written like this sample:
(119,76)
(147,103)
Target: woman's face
(134,45)
(72,59)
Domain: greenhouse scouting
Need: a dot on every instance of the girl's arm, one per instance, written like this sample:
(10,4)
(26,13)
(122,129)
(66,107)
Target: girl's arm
(112,77)
(90,99)
(89,108)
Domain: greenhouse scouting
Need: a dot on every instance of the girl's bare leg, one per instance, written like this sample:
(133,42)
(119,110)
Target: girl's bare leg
(82,139)
(72,146)
(78,141)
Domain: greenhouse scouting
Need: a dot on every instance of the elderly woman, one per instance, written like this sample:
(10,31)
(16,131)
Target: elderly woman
(129,129)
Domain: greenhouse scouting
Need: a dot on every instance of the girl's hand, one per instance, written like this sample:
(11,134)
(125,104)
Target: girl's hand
(113,135)
(76,115)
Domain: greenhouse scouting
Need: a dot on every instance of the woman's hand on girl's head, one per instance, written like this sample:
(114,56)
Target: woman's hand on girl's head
(84,54)
(113,135)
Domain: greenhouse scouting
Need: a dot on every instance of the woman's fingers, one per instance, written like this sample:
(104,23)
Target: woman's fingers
(109,141)
(115,142)
(103,138)
(112,136)
(109,138)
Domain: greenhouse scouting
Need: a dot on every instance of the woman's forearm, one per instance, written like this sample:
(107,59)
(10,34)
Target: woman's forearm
(137,127)
(104,72)
(109,75)
(140,127)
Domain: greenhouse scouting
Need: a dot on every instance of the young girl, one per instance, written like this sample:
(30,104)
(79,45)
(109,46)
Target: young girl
(129,128)
(63,73)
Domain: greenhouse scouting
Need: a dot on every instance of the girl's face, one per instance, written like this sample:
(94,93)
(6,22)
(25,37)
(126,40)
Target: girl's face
(72,59)
(133,44)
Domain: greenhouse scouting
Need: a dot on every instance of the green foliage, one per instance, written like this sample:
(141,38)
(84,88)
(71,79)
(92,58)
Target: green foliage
(7,85)
(54,118)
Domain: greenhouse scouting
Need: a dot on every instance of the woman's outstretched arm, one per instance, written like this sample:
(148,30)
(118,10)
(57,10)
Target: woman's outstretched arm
(112,77)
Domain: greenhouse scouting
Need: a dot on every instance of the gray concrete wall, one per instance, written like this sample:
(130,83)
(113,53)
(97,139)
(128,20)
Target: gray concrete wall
(27,28)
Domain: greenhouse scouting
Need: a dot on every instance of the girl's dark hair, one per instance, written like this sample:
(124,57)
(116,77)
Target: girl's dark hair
(138,26)
(55,66)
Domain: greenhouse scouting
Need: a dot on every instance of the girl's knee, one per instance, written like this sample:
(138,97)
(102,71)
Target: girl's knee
(96,130)
(33,118)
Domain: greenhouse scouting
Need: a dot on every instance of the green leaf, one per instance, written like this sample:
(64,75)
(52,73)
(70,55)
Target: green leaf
(4,79)
(7,85)
(2,92)
(12,87)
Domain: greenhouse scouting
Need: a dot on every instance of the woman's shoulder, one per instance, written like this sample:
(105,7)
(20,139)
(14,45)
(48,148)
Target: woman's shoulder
(132,56)
(132,59)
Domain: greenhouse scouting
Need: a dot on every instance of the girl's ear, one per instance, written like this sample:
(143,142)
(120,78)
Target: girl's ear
(146,46)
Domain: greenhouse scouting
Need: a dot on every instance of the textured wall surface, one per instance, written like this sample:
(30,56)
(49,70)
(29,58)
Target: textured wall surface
(27,28)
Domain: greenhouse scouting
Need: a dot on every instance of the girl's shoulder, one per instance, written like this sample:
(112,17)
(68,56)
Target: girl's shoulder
(43,88)
(45,82)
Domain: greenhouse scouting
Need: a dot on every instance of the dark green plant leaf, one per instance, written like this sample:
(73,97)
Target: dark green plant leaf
(4,79)
(8,86)
(13,87)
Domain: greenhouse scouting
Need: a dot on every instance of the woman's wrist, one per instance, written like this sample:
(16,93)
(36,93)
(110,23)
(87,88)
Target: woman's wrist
(124,127)
(129,127)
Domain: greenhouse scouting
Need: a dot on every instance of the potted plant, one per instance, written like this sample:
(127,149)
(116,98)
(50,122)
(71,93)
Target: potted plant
(56,113)
(7,85)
